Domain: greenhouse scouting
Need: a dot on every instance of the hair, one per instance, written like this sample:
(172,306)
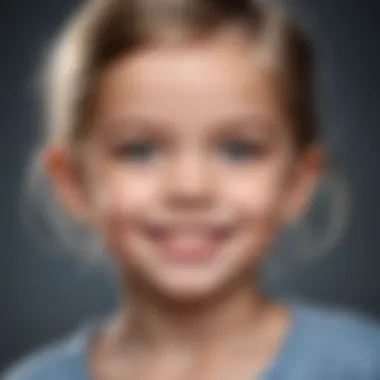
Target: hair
(102,31)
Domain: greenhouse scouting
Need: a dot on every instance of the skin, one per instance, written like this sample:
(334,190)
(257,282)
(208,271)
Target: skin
(186,137)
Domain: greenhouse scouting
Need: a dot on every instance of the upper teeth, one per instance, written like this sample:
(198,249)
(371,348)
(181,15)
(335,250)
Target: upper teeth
(188,238)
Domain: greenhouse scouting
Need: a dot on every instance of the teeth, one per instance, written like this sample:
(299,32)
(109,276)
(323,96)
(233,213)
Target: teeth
(188,237)
(183,242)
(189,240)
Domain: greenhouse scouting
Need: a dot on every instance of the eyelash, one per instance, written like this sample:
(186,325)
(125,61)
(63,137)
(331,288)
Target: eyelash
(233,150)
(140,151)
(242,150)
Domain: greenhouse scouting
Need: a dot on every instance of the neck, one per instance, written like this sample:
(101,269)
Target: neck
(156,322)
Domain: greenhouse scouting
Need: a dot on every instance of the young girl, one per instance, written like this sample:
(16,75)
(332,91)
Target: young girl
(182,132)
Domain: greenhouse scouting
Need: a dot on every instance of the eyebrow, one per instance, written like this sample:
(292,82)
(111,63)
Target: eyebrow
(124,125)
(247,124)
(227,125)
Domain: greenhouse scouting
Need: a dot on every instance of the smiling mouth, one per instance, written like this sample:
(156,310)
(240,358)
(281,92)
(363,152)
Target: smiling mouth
(189,243)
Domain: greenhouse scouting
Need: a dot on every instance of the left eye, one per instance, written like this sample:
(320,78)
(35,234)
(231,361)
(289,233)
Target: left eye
(241,150)
(138,151)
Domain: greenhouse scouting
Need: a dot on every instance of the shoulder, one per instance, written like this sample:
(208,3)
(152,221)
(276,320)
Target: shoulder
(344,339)
(63,359)
(341,324)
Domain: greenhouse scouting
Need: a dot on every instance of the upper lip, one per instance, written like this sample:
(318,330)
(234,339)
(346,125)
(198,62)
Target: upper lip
(189,227)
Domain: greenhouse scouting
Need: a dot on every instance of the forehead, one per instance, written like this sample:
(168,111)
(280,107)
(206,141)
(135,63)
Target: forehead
(187,82)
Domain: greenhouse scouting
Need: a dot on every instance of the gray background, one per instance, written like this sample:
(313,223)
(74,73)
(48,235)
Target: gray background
(44,294)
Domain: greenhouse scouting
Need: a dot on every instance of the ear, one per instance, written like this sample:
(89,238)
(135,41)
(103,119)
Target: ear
(304,182)
(67,181)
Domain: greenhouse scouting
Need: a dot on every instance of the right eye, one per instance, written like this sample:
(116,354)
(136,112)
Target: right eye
(137,151)
(241,150)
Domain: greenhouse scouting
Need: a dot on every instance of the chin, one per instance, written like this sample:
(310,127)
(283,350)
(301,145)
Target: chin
(187,293)
(185,287)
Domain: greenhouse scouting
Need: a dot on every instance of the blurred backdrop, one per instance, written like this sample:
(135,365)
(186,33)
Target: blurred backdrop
(46,293)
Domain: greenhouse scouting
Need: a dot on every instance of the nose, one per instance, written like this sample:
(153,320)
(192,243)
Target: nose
(189,183)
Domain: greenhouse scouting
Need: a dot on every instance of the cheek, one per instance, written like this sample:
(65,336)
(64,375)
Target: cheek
(119,194)
(259,193)
(119,201)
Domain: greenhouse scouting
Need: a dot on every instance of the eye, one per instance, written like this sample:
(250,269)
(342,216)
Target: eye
(138,151)
(241,150)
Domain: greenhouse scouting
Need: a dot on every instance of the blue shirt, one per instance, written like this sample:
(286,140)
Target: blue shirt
(322,344)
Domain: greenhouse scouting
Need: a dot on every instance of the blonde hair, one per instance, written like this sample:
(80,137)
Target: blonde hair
(102,31)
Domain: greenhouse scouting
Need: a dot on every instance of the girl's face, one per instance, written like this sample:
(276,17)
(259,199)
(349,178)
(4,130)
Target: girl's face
(190,170)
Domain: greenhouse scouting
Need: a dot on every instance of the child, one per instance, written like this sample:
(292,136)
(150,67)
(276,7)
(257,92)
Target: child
(183,133)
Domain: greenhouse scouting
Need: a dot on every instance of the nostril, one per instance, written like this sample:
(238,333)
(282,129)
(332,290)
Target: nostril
(155,231)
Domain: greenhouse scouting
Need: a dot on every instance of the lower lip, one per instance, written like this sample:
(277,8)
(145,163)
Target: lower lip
(202,252)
